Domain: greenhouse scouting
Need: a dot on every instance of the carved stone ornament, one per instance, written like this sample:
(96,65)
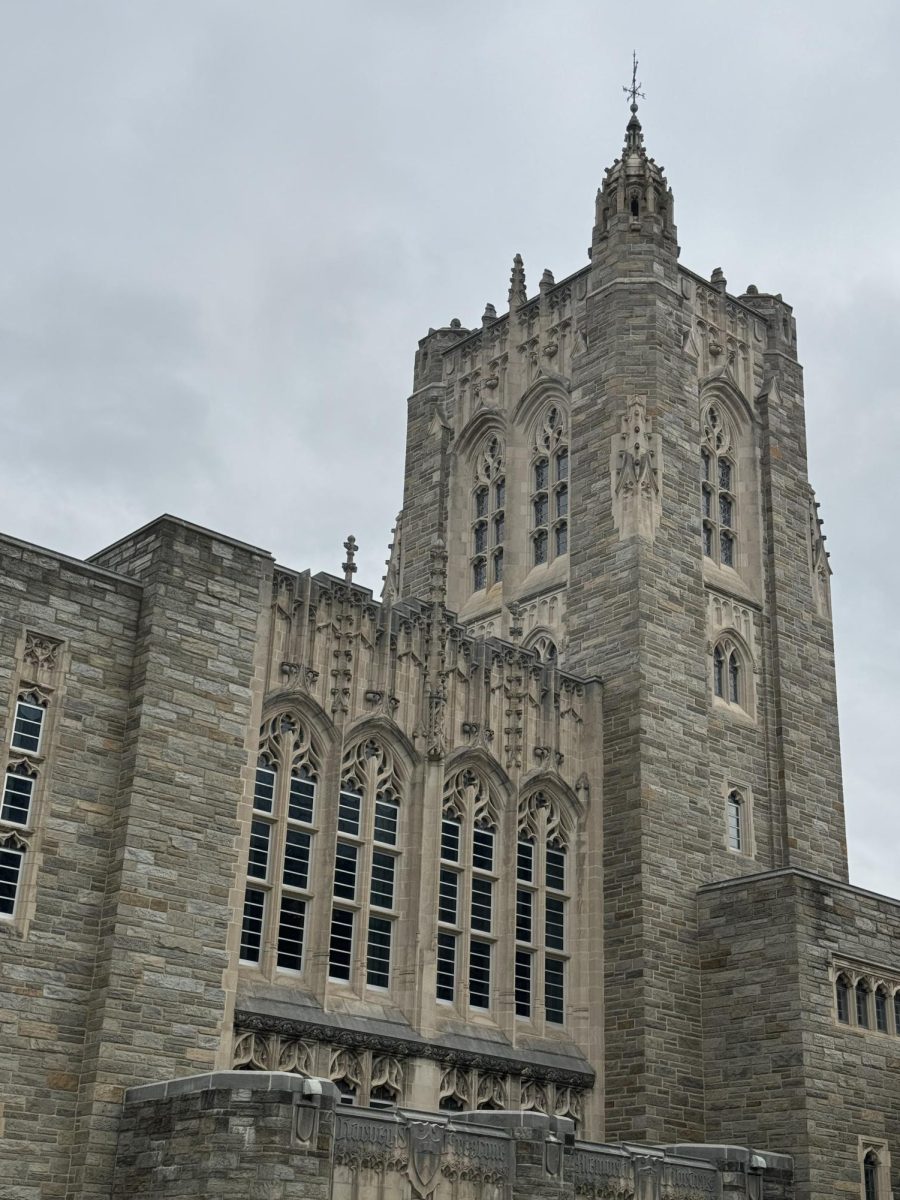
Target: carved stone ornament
(426,1150)
(818,560)
(636,473)
(41,653)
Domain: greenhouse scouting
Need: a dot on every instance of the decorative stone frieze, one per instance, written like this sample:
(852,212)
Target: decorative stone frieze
(636,473)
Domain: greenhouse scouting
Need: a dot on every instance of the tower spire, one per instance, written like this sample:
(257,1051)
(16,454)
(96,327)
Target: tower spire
(634,138)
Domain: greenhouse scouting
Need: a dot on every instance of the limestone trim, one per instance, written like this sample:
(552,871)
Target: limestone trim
(412,1047)
(865,999)
(732,675)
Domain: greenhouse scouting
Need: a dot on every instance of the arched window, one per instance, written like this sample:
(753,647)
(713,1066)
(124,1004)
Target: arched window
(870,1176)
(28,723)
(488,516)
(735,818)
(718,487)
(862,1003)
(366,868)
(881,1010)
(897,1013)
(731,681)
(542,895)
(282,833)
(550,489)
(467,886)
(544,647)
(842,997)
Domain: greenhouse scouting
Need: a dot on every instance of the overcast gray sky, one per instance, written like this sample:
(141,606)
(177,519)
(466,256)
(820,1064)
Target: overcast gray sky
(225,225)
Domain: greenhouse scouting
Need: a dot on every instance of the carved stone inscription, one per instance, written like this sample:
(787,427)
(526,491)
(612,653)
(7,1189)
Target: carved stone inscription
(378,1145)
(683,1182)
(602,1176)
(478,1158)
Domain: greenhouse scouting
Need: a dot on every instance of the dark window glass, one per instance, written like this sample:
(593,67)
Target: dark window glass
(524,905)
(378,962)
(735,838)
(481,537)
(724,475)
(707,540)
(17,793)
(541,509)
(562,502)
(734,679)
(726,545)
(446,966)
(340,950)
(479,974)
(28,727)
(562,465)
(556,869)
(719,672)
(498,566)
(345,871)
(450,840)
(554,990)
(387,812)
(842,992)
(525,862)
(540,548)
(523,983)
(479,575)
(881,1017)
(481,502)
(499,493)
(383,870)
(725,510)
(707,502)
(448,896)
(291,924)
(302,797)
(264,791)
(260,836)
(251,926)
(382,1096)
(483,849)
(541,474)
(705,464)
(897,1013)
(482,902)
(862,1005)
(296,859)
(561,534)
(499,529)
(870,1176)
(555,924)
(348,812)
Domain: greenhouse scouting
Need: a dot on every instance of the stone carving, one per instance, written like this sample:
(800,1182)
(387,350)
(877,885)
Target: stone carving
(455,1089)
(602,1176)
(480,1159)
(269,1052)
(818,560)
(636,473)
(41,653)
(725,613)
(490,1091)
(426,1150)
(684,1182)
(386,1078)
(369,1144)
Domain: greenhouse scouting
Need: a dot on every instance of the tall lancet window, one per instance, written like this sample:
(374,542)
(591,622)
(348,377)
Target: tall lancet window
(283,829)
(366,882)
(542,896)
(717,487)
(550,488)
(488,516)
(467,892)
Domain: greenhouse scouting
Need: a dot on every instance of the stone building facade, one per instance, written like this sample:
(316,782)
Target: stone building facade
(528,878)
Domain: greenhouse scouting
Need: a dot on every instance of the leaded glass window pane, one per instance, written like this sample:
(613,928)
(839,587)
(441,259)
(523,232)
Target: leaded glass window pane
(707,502)
(302,797)
(881,1017)
(296,859)
(540,548)
(562,502)
(349,805)
(251,925)
(345,871)
(540,510)
(554,990)
(524,910)
(561,535)
(734,679)
(562,465)
(719,672)
(499,529)
(483,849)
(842,995)
(383,872)
(707,541)
(556,869)
(734,821)
(479,575)
(524,961)
(862,1005)
(727,549)
(500,493)
(378,962)
(726,509)
(446,966)
(725,475)
(386,818)
(264,790)
(555,929)
(448,896)
(541,474)
(525,861)
(481,537)
(480,974)
(498,566)
(340,948)
(260,837)
(450,837)
(481,502)
(291,926)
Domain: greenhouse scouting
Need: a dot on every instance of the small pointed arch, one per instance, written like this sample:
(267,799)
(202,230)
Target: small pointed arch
(881,1007)
(485,423)
(732,670)
(549,388)
(309,712)
(842,997)
(542,643)
(476,788)
(382,729)
(862,992)
(718,389)
(559,794)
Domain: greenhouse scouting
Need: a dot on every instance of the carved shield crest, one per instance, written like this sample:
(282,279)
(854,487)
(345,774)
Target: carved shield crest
(426,1148)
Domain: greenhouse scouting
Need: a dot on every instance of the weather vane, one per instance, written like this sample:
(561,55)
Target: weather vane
(635,90)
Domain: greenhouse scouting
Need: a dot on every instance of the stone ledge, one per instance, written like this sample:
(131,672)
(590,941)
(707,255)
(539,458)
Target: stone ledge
(233,1081)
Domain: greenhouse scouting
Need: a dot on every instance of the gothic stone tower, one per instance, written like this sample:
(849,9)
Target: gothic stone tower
(618,467)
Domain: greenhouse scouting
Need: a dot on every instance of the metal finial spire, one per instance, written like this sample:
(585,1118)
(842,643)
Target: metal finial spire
(350,565)
(635,90)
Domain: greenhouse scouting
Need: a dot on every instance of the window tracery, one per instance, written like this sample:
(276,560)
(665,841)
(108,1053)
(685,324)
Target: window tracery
(366,873)
(542,895)
(731,678)
(488,515)
(467,885)
(718,486)
(550,488)
(866,1001)
(283,828)
(544,647)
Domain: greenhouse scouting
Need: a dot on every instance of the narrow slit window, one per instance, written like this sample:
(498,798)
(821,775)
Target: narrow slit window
(862,1004)
(340,949)
(842,998)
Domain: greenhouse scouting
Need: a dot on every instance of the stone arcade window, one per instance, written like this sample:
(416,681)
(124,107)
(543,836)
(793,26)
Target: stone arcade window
(870,1176)
(737,821)
(488,516)
(366,870)
(467,887)
(718,487)
(17,799)
(867,1001)
(842,999)
(541,911)
(282,834)
(550,489)
(731,674)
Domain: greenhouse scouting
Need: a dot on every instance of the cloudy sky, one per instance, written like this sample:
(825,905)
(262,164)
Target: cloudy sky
(225,224)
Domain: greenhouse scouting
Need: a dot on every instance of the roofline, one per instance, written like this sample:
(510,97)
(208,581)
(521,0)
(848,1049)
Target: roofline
(168,518)
(85,565)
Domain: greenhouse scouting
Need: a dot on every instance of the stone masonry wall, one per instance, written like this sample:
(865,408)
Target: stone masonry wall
(47,951)
(159,1003)
(781,1071)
